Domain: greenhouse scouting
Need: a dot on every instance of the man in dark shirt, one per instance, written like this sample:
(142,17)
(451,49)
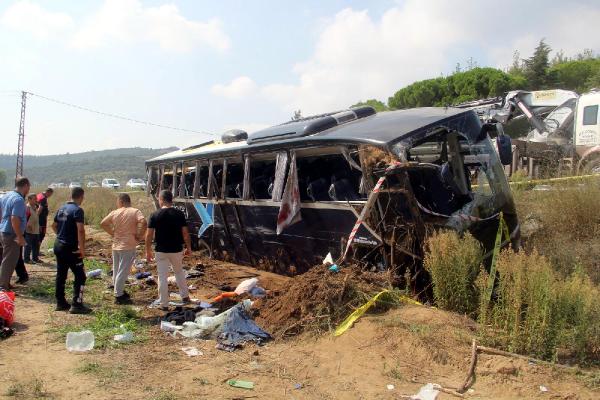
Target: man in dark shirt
(168,228)
(69,249)
(42,199)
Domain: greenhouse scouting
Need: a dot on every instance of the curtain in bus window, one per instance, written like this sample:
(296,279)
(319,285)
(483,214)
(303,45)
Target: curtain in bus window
(246,184)
(196,188)
(280,170)
(289,211)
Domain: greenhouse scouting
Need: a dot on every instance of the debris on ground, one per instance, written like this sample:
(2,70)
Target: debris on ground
(125,337)
(240,384)
(80,341)
(317,299)
(192,351)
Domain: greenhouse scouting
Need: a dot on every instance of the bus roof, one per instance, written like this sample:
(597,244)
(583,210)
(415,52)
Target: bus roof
(380,129)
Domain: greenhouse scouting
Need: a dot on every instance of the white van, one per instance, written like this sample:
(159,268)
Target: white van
(110,183)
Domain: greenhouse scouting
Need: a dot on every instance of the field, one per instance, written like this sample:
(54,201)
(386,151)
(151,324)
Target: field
(397,343)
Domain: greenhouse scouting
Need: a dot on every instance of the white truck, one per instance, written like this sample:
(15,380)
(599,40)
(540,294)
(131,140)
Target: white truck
(565,141)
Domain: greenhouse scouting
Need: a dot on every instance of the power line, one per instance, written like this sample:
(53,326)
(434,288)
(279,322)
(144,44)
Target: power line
(117,116)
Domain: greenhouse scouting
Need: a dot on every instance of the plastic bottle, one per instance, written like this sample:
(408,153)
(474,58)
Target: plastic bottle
(80,341)
(96,273)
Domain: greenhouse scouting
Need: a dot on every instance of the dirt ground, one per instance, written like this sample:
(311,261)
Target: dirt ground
(406,347)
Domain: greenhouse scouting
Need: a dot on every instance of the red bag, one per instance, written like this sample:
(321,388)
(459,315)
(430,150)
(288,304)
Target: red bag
(7,307)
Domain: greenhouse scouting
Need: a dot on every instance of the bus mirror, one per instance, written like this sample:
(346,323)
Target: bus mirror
(504,145)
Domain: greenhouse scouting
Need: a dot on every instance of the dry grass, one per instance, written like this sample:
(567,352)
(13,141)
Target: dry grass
(98,202)
(568,225)
(537,313)
(454,263)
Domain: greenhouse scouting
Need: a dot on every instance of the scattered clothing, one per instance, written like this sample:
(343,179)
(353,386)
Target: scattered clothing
(179,316)
(240,328)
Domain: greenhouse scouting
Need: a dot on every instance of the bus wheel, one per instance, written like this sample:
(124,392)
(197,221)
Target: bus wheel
(204,249)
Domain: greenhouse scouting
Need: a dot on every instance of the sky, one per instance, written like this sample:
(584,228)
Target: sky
(209,66)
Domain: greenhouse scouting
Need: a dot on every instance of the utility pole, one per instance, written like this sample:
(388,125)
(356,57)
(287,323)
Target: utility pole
(19,171)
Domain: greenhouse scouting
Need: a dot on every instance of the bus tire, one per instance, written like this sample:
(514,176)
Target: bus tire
(204,249)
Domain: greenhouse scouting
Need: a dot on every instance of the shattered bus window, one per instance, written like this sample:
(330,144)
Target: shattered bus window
(262,178)
(234,181)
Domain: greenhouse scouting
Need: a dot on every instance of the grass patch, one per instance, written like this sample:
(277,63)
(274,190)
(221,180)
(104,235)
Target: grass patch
(33,389)
(454,263)
(105,323)
(568,224)
(104,374)
(539,313)
(164,396)
(41,289)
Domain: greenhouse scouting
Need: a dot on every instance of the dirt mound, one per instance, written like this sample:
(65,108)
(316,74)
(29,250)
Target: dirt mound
(317,300)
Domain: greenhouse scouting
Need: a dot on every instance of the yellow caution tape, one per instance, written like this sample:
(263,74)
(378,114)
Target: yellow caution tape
(347,323)
(554,180)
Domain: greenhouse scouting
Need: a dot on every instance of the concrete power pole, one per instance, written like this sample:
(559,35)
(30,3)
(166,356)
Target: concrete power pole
(19,171)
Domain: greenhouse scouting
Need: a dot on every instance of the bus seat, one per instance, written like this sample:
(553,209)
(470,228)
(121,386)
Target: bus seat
(342,190)
(317,190)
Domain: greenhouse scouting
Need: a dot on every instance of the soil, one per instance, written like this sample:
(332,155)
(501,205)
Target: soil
(406,347)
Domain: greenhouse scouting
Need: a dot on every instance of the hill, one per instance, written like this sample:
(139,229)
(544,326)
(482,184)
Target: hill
(121,164)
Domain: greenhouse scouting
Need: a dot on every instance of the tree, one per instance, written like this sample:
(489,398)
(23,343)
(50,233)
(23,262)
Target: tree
(376,104)
(2,178)
(536,67)
(576,75)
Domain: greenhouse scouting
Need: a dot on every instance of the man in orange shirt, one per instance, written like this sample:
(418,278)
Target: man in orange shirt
(127,226)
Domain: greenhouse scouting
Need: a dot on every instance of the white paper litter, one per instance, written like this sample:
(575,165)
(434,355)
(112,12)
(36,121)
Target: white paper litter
(192,351)
(428,392)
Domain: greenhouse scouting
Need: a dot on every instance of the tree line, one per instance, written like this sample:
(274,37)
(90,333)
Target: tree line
(538,72)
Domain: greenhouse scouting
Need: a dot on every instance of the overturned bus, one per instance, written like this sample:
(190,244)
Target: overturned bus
(284,197)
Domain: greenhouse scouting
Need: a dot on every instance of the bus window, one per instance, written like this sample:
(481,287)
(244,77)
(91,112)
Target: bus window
(201,180)
(234,181)
(262,178)
(328,178)
(167,183)
(215,179)
(187,187)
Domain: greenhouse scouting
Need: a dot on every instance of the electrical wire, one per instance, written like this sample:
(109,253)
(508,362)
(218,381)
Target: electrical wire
(117,116)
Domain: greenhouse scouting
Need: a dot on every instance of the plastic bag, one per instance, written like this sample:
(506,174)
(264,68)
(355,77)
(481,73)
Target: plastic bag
(246,285)
(7,307)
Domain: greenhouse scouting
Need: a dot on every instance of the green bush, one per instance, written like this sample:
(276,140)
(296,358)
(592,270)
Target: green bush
(454,263)
(538,314)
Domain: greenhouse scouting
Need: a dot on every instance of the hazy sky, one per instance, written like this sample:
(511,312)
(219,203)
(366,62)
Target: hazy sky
(215,65)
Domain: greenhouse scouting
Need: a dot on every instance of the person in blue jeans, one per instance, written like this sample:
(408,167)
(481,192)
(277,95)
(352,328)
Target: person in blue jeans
(69,249)
(12,229)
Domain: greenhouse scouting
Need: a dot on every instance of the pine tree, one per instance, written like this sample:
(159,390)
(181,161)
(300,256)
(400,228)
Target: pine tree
(536,67)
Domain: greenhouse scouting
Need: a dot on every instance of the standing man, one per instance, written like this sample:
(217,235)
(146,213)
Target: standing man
(12,229)
(42,199)
(69,249)
(168,228)
(32,231)
(127,226)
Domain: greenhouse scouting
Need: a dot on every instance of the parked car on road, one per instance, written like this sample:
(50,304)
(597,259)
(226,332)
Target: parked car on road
(92,184)
(57,185)
(110,183)
(136,184)
(74,185)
